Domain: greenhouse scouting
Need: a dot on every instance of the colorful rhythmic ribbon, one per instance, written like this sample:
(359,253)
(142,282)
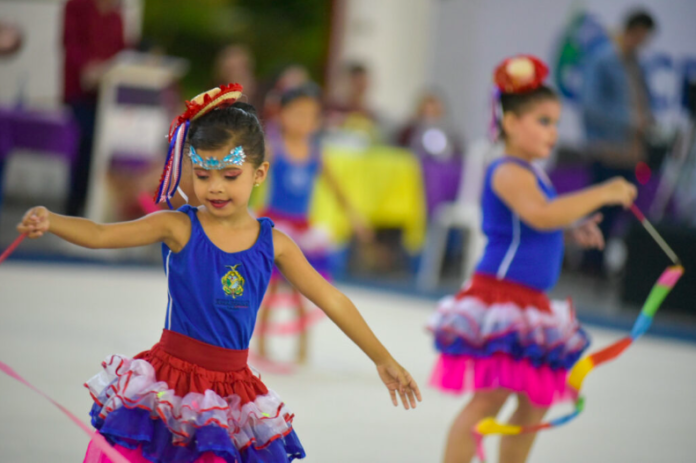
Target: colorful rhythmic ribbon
(582,368)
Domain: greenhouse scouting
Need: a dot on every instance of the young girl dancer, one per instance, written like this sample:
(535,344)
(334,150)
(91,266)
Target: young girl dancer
(500,335)
(192,397)
(297,165)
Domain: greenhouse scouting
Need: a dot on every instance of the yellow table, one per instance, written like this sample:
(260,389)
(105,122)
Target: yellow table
(383,183)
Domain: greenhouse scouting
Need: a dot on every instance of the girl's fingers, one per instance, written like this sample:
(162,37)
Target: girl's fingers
(392,393)
(404,401)
(411,398)
(416,390)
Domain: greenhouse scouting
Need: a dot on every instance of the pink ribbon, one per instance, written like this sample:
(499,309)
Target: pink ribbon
(97,439)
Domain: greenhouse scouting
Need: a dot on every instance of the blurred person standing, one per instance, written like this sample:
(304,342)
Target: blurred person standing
(92,35)
(350,111)
(617,116)
(235,63)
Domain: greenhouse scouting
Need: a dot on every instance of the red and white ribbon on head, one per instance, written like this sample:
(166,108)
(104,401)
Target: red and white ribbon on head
(178,130)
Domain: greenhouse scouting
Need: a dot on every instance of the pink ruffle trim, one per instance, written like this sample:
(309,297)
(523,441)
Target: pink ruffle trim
(94,455)
(543,386)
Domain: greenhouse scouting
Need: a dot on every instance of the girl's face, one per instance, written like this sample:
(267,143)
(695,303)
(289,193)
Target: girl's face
(226,192)
(301,117)
(534,132)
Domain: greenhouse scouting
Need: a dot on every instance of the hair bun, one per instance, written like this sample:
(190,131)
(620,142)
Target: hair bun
(520,74)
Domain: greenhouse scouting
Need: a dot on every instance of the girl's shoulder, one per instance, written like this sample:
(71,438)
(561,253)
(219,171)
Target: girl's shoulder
(282,243)
(508,176)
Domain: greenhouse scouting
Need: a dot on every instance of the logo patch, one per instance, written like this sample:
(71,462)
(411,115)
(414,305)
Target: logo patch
(233,282)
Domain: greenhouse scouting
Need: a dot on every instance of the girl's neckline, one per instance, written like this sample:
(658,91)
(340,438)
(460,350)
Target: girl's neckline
(539,173)
(256,241)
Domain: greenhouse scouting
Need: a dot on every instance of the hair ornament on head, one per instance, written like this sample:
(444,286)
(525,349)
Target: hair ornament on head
(518,74)
(202,104)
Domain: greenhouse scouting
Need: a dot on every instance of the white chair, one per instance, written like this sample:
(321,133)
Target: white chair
(463,214)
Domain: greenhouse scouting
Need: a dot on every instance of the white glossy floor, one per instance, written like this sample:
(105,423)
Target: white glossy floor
(58,322)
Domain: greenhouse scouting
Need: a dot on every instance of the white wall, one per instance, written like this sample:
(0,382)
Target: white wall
(393,38)
(472,36)
(37,69)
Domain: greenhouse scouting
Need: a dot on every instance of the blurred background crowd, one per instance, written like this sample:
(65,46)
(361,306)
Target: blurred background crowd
(89,88)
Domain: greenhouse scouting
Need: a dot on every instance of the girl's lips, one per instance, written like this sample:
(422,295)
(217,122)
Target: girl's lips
(219,204)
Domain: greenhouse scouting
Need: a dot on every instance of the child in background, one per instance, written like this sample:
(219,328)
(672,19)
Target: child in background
(296,156)
(500,335)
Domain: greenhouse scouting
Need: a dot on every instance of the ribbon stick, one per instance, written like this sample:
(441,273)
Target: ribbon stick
(10,249)
(582,368)
(655,235)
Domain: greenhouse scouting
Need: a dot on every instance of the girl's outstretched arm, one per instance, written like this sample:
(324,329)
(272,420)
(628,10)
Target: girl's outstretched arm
(294,266)
(170,227)
(517,187)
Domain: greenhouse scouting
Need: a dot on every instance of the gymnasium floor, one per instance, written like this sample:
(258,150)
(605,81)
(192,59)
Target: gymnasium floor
(58,322)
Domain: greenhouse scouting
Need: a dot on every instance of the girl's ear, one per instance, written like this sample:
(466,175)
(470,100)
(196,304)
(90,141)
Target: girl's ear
(261,173)
(509,123)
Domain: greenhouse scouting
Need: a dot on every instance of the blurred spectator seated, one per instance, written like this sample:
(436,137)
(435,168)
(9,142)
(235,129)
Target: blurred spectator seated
(430,136)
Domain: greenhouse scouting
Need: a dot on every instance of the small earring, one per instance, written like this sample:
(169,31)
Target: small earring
(256,185)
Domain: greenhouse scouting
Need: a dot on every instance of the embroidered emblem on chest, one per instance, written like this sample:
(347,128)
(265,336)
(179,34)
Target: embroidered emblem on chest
(233,282)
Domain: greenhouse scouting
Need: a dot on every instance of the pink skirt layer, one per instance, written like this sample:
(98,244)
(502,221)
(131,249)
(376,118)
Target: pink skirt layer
(459,374)
(94,455)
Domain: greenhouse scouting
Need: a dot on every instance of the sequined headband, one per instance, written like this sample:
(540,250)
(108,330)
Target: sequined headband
(234,159)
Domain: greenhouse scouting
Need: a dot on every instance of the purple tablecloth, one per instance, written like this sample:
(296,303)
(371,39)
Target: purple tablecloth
(441,179)
(54,133)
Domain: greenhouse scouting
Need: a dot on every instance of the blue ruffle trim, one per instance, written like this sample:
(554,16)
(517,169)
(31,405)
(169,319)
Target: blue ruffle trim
(556,358)
(132,428)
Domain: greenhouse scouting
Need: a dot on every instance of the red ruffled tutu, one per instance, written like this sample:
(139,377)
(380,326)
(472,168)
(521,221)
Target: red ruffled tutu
(500,334)
(185,400)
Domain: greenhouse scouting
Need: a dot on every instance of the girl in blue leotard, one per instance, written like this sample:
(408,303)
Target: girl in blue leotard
(500,335)
(192,397)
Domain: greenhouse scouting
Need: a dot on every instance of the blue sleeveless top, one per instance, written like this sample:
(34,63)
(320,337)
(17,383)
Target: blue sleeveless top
(214,295)
(515,251)
(292,182)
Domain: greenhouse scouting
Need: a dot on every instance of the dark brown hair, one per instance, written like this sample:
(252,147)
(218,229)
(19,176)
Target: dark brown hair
(235,124)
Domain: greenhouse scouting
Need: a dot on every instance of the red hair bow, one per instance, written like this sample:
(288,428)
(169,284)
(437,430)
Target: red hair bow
(520,74)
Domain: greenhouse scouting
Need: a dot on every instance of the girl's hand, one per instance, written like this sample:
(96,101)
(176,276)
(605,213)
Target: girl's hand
(587,234)
(35,222)
(619,192)
(396,378)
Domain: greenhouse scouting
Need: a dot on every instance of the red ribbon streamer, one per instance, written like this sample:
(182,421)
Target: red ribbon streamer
(12,247)
(97,439)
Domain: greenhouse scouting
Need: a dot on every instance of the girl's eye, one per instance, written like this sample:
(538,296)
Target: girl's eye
(232,176)
(545,120)
(202,177)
